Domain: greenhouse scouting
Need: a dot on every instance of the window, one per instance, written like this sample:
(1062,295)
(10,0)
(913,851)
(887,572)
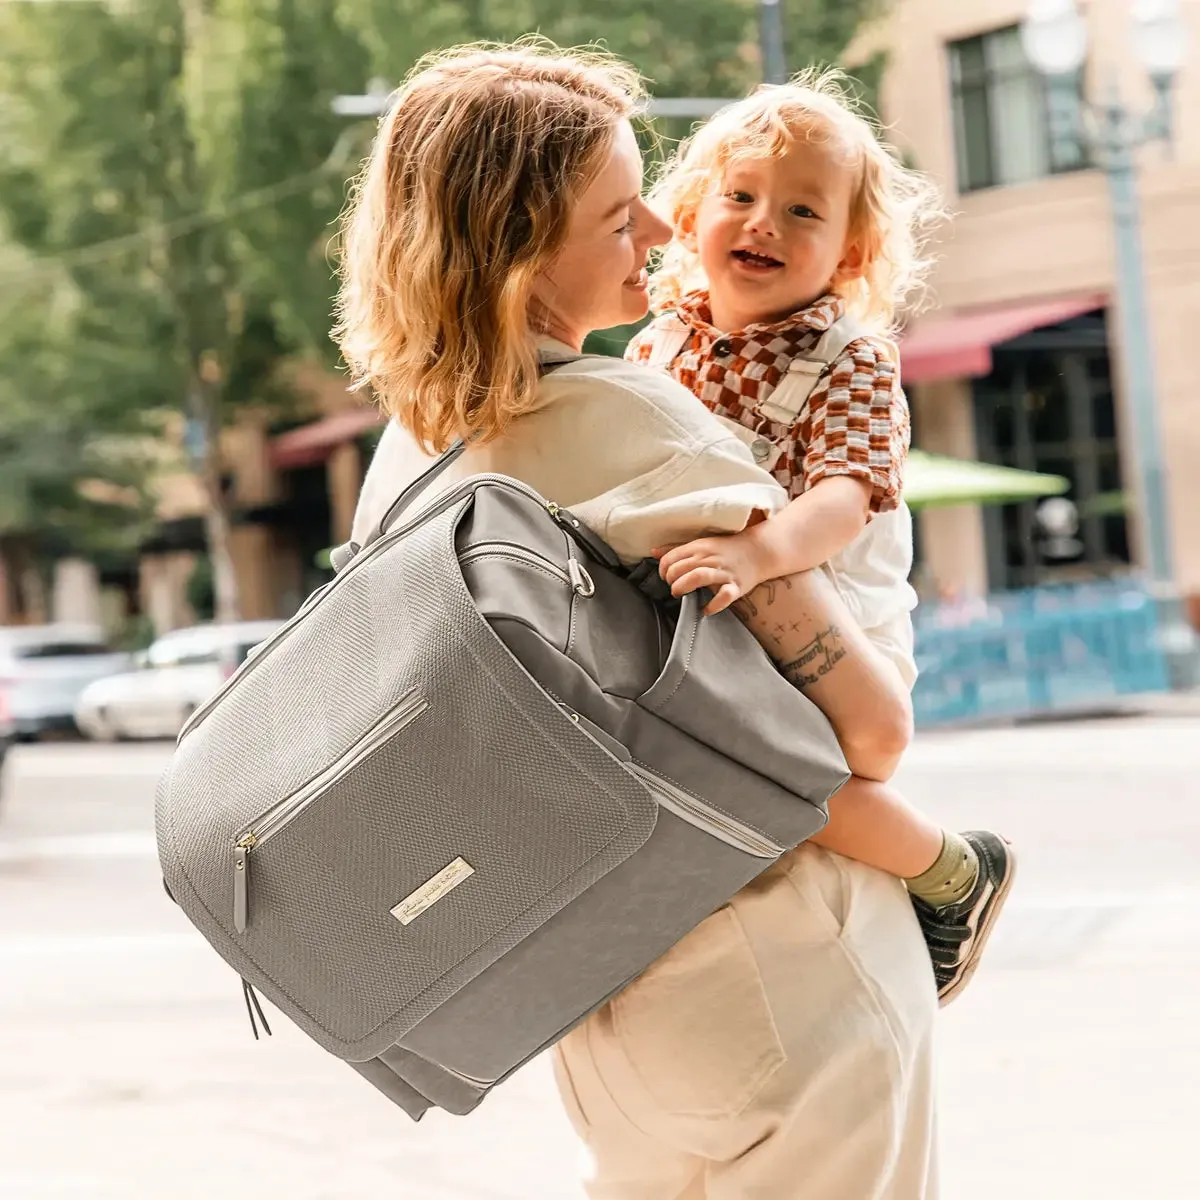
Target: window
(1048,406)
(1001,129)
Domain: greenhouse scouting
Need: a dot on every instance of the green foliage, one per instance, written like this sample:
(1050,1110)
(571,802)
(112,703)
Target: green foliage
(166,199)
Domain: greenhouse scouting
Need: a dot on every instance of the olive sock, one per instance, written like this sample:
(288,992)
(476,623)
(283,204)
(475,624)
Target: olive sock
(952,875)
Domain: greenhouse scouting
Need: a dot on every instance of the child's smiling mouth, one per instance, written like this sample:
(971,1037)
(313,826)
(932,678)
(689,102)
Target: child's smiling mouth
(755,260)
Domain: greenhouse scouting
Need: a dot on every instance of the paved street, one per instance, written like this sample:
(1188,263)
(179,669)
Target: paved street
(128,1070)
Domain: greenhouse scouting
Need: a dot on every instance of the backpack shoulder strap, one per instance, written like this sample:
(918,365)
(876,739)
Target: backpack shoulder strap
(341,556)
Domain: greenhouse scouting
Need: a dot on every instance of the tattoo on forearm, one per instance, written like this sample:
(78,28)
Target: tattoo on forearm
(771,586)
(816,659)
(745,607)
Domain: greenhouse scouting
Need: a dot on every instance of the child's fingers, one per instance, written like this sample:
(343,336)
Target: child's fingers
(681,566)
(698,577)
(672,555)
(727,593)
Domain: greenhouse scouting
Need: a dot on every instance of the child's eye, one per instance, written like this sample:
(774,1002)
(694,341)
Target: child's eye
(802,210)
(627,227)
(740,197)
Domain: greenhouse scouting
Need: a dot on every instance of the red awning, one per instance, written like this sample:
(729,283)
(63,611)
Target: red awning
(950,346)
(315,442)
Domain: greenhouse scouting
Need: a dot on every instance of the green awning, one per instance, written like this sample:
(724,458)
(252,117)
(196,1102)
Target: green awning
(933,480)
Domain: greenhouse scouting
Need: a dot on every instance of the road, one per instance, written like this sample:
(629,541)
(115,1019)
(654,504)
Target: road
(1069,1069)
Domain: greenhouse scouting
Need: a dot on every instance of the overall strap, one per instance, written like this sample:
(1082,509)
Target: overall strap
(668,335)
(786,402)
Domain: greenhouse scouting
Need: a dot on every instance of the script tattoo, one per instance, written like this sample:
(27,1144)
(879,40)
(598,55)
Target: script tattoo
(816,659)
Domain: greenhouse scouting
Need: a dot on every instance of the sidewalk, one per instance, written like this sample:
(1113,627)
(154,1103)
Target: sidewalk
(1055,1084)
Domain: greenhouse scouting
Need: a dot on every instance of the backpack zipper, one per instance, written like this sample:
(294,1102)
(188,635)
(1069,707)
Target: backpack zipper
(703,816)
(283,813)
(575,576)
(684,804)
(266,647)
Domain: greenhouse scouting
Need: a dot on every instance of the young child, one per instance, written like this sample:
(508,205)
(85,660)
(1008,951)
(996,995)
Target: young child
(797,237)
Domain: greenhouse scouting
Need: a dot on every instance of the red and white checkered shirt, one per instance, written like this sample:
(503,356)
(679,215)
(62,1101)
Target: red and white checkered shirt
(855,421)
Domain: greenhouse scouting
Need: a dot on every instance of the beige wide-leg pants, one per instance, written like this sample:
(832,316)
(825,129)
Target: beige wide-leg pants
(782,1051)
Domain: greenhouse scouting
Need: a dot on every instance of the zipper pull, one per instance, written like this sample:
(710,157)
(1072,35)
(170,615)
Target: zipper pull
(241,882)
(581,581)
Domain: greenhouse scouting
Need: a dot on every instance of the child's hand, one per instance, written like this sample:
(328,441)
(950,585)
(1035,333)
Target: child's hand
(731,564)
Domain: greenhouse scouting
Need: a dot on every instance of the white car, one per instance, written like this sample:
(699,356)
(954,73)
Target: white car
(169,682)
(43,670)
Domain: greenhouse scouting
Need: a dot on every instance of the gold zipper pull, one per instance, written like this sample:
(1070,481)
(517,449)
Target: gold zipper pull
(241,882)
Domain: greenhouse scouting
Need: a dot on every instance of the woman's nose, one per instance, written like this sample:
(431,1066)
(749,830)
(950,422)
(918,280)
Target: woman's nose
(655,231)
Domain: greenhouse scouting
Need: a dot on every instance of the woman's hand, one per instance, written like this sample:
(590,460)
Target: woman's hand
(731,564)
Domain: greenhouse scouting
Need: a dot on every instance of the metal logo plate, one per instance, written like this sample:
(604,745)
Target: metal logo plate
(428,894)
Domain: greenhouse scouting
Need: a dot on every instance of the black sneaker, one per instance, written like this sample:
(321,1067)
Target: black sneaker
(957,933)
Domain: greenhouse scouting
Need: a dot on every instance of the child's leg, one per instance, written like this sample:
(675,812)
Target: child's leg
(872,823)
(807,629)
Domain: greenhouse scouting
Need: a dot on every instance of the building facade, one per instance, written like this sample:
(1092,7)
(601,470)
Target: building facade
(1020,362)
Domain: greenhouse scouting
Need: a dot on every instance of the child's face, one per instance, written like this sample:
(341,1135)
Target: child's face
(775,234)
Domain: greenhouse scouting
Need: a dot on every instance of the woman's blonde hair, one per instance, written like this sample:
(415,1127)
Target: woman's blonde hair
(891,207)
(465,200)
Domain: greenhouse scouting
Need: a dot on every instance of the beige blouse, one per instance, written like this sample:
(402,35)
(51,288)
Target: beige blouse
(628,450)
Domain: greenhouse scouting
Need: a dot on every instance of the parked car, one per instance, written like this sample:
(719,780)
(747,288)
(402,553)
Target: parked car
(44,668)
(168,682)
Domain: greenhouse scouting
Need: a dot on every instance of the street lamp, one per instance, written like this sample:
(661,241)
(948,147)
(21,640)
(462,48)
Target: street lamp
(774,58)
(1055,38)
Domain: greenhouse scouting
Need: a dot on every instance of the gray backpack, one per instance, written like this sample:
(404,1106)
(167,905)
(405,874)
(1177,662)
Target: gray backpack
(475,786)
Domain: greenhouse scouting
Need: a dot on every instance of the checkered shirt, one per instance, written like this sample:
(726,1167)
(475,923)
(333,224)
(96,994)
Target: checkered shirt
(855,422)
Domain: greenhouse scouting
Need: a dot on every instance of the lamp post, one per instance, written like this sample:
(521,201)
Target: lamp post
(774,58)
(1108,133)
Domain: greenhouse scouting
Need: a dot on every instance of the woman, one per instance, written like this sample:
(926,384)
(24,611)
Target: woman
(784,1047)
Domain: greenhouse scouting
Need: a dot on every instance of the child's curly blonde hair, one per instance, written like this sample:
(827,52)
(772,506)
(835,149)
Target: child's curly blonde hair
(891,210)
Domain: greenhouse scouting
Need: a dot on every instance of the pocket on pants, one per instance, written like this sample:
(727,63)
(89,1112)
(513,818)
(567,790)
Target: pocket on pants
(696,1028)
(819,878)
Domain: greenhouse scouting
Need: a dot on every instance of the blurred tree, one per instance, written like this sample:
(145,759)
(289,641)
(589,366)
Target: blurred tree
(166,172)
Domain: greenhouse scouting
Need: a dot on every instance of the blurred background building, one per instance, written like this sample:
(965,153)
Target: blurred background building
(1021,361)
